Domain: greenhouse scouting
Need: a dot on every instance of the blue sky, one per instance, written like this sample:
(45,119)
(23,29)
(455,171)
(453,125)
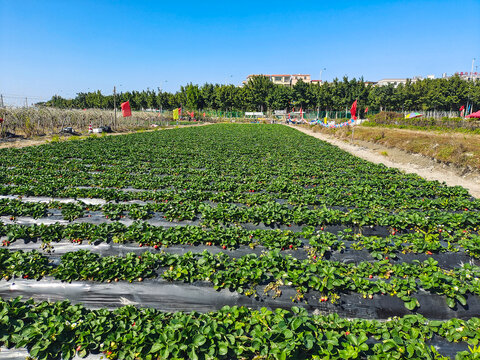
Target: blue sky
(64,47)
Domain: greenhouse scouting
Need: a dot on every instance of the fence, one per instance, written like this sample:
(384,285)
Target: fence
(34,121)
(308,115)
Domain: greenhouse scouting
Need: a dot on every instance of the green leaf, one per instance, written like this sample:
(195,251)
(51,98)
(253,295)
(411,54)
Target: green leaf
(435,323)
(412,304)
(389,344)
(450,302)
(157,347)
(192,354)
(199,340)
(231,338)
(222,348)
(296,323)
(363,347)
(461,299)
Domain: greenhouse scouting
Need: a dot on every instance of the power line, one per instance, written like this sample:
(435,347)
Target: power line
(13,96)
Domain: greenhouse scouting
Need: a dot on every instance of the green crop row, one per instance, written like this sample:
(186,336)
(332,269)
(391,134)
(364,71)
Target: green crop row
(268,213)
(319,241)
(51,331)
(244,274)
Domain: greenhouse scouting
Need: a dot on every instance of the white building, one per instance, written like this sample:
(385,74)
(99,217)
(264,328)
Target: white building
(284,79)
(394,82)
(397,81)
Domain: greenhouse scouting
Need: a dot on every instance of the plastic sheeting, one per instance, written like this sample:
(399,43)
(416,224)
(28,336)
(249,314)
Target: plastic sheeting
(93,217)
(22,354)
(45,199)
(445,260)
(200,296)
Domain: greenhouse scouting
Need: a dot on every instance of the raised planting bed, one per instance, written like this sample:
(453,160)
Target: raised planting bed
(61,330)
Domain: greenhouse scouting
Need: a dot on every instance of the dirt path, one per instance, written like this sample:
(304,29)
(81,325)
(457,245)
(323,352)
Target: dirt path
(410,163)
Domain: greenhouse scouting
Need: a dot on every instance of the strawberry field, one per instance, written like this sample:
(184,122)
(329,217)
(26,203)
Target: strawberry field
(232,242)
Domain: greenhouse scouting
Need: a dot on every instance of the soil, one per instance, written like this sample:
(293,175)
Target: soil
(423,166)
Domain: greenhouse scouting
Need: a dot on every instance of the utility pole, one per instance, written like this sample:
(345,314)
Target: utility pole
(26,102)
(161,103)
(321,71)
(1,100)
(471,73)
(114,107)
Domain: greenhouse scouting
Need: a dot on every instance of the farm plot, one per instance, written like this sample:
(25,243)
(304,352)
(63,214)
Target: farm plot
(242,216)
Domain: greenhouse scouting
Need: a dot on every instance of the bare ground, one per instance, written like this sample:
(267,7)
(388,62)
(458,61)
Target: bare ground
(423,166)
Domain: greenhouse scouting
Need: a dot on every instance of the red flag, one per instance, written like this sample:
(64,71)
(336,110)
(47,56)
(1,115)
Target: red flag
(126,110)
(301,113)
(179,111)
(203,114)
(462,108)
(366,109)
(192,114)
(353,110)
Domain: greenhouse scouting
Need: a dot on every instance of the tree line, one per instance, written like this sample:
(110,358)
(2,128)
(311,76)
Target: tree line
(260,94)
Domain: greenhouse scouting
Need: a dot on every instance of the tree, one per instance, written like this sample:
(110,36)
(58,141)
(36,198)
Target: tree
(257,90)
(280,97)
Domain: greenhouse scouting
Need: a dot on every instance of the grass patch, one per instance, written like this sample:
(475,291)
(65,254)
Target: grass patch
(445,152)
(459,148)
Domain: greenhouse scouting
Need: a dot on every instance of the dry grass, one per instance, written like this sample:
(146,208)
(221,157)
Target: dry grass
(455,148)
(31,122)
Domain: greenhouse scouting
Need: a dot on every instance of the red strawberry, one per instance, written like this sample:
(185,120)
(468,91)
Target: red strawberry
(290,246)
(224,247)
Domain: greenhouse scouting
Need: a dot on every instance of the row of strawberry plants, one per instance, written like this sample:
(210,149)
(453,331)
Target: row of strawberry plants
(269,213)
(62,330)
(149,235)
(246,273)
(240,192)
(230,237)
